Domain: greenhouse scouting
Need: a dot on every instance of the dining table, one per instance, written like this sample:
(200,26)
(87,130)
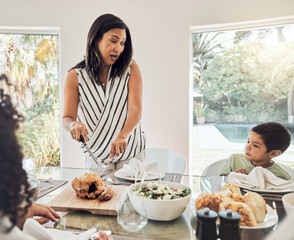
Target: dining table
(183,227)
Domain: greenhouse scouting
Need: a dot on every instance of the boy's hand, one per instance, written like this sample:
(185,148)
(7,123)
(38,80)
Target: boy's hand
(243,171)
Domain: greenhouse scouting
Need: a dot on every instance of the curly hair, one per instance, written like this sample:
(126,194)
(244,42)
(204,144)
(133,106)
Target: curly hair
(15,192)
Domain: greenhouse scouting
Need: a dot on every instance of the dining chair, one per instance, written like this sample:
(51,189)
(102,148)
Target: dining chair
(214,168)
(167,159)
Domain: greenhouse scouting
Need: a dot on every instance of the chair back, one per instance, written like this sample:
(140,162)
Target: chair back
(167,159)
(214,168)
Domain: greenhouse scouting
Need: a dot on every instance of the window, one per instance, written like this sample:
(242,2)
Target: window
(29,57)
(242,75)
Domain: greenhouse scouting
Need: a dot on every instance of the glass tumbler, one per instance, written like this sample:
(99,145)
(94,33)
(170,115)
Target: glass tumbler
(29,167)
(129,218)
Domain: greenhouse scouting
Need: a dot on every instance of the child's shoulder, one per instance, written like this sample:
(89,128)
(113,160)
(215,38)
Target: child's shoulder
(279,171)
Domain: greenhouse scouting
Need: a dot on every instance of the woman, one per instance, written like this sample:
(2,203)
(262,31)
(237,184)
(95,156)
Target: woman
(15,194)
(103,95)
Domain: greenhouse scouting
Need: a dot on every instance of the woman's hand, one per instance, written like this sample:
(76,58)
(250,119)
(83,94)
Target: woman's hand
(45,213)
(103,236)
(76,129)
(118,146)
(243,171)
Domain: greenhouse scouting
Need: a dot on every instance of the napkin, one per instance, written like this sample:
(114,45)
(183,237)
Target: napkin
(261,178)
(136,166)
(38,231)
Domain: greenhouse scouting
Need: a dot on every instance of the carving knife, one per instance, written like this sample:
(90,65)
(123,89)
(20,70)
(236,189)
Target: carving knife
(89,151)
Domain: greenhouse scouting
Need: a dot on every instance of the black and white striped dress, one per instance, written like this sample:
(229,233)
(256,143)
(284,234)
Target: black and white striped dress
(105,113)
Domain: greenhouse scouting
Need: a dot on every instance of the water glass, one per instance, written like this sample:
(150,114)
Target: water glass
(29,167)
(129,218)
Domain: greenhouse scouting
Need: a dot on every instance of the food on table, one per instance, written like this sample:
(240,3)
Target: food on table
(160,191)
(251,206)
(257,204)
(211,201)
(227,197)
(92,186)
(232,188)
(247,216)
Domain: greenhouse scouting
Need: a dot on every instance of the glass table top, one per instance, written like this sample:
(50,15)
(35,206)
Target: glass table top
(180,228)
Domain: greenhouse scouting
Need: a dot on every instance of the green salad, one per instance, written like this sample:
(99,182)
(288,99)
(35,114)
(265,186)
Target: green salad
(160,191)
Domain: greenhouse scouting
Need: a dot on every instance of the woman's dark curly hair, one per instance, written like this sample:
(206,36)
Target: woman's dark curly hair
(93,59)
(15,196)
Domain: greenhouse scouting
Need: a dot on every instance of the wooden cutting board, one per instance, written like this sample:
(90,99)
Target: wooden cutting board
(68,201)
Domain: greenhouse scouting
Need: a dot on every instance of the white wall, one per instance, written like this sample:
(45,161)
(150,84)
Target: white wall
(160,33)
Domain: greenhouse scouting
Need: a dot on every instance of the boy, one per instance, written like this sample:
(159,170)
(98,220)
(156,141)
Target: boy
(265,141)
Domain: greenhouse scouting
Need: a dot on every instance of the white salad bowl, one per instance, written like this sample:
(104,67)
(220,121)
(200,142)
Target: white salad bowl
(160,210)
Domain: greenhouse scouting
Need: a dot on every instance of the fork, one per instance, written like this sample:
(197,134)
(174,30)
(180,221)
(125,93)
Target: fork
(105,166)
(45,180)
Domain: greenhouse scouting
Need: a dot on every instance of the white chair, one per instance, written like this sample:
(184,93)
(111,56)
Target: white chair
(214,168)
(167,159)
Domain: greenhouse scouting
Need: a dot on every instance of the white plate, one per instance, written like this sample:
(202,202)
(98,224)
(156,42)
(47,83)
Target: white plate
(149,177)
(263,190)
(267,191)
(270,220)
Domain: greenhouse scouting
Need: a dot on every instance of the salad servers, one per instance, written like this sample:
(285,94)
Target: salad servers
(142,180)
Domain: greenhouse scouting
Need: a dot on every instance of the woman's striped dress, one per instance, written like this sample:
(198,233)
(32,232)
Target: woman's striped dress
(104,114)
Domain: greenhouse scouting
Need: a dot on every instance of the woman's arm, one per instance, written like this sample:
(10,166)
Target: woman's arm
(135,87)
(45,213)
(70,108)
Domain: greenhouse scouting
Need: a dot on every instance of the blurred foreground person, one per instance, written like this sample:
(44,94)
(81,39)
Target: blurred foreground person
(16,207)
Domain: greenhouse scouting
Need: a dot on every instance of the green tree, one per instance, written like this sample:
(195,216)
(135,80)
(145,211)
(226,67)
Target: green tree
(249,82)
(31,62)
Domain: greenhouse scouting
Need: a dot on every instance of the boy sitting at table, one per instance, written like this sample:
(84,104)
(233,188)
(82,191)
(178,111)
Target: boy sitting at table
(265,141)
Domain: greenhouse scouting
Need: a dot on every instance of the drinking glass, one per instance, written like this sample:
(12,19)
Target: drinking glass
(29,167)
(129,218)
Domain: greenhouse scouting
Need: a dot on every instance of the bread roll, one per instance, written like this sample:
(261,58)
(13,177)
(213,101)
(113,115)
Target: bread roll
(234,188)
(210,201)
(247,216)
(257,204)
(227,198)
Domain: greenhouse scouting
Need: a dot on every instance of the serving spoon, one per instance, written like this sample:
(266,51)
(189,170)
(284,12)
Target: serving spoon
(142,180)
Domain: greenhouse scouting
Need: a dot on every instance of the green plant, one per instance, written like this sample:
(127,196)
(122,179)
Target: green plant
(199,109)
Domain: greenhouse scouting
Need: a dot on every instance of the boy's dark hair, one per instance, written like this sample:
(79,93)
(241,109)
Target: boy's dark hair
(274,135)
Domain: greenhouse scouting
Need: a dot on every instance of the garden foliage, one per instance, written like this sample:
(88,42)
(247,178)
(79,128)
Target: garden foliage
(248,82)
